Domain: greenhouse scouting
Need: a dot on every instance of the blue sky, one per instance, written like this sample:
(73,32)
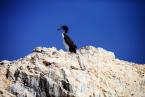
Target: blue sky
(118,26)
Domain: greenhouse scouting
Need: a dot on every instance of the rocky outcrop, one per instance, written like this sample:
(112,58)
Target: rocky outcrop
(92,72)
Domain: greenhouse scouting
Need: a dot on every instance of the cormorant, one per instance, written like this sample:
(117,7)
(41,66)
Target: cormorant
(67,41)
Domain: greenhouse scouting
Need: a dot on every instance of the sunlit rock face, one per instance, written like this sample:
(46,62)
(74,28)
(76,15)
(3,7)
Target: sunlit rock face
(91,72)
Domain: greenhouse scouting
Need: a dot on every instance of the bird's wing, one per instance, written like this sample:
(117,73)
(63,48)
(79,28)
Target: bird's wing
(69,41)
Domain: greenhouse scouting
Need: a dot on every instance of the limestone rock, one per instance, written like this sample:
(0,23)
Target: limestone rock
(92,72)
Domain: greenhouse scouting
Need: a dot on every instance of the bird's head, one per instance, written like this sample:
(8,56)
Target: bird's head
(63,28)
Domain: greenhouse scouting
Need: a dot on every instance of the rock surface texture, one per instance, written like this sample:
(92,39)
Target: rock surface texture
(92,72)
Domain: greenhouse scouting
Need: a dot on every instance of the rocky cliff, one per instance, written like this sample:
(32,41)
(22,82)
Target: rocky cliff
(92,72)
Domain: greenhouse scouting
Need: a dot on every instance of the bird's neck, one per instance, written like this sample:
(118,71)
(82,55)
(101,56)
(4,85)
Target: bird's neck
(64,33)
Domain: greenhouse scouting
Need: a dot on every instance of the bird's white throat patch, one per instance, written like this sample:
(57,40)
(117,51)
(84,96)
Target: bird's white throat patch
(64,43)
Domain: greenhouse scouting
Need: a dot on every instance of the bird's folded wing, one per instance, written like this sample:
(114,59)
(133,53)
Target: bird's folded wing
(69,41)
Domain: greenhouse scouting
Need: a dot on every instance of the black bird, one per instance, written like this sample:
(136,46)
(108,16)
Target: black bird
(67,41)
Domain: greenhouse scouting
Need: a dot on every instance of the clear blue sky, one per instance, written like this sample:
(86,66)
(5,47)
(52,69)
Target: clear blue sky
(115,25)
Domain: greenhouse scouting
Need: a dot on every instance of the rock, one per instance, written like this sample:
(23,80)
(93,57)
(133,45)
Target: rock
(92,72)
